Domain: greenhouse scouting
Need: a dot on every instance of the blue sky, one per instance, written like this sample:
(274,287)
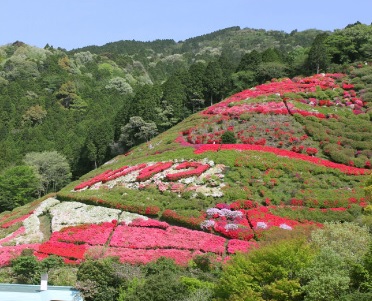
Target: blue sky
(76,23)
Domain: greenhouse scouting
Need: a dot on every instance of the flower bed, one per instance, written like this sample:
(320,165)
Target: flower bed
(67,250)
(172,237)
(16,220)
(79,213)
(285,153)
(196,170)
(163,176)
(149,171)
(109,175)
(261,218)
(7,253)
(151,223)
(91,234)
(237,245)
(13,235)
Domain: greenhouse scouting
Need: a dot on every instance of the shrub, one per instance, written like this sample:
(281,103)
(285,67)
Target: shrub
(27,269)
(228,137)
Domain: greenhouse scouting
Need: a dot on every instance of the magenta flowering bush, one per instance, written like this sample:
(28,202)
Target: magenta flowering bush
(172,237)
(237,245)
(7,253)
(91,234)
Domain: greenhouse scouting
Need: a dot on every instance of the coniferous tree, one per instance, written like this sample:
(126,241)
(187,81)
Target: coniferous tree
(318,58)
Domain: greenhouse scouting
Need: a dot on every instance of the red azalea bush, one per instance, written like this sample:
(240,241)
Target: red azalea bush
(149,171)
(68,250)
(16,220)
(196,170)
(109,175)
(91,234)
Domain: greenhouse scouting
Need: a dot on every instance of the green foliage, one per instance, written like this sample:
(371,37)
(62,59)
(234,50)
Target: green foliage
(213,81)
(161,282)
(62,276)
(342,262)
(318,58)
(18,186)
(26,269)
(268,70)
(99,280)
(51,168)
(326,279)
(269,272)
(137,131)
(228,137)
(349,241)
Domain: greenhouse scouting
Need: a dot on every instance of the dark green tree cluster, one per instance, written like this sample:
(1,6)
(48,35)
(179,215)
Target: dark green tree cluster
(108,280)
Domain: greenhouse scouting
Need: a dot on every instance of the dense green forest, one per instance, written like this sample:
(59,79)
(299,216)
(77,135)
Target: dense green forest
(84,106)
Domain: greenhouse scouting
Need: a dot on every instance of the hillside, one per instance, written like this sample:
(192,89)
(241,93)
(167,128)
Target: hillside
(301,157)
(278,174)
(51,99)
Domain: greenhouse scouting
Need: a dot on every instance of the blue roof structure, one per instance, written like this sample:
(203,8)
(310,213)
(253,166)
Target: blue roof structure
(23,292)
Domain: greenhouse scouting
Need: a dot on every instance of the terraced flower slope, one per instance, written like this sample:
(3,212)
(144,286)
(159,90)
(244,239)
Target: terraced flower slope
(302,157)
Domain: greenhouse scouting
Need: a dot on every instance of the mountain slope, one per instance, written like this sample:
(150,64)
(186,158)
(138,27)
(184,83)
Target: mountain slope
(302,157)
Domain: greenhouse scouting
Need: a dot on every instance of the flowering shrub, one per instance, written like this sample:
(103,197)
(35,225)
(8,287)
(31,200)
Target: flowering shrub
(109,175)
(260,218)
(91,234)
(285,153)
(68,250)
(237,245)
(149,171)
(14,221)
(172,237)
(197,170)
(11,236)
(152,223)
(162,175)
(7,253)
(79,213)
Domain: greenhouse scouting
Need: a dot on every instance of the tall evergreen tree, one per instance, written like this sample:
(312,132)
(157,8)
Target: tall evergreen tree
(250,61)
(213,80)
(174,94)
(318,58)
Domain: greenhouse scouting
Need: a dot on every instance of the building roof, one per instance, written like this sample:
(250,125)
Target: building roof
(22,292)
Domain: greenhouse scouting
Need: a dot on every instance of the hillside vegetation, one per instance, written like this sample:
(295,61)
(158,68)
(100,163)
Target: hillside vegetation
(264,195)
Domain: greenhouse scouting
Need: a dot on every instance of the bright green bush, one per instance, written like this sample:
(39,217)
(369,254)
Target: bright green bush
(272,270)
